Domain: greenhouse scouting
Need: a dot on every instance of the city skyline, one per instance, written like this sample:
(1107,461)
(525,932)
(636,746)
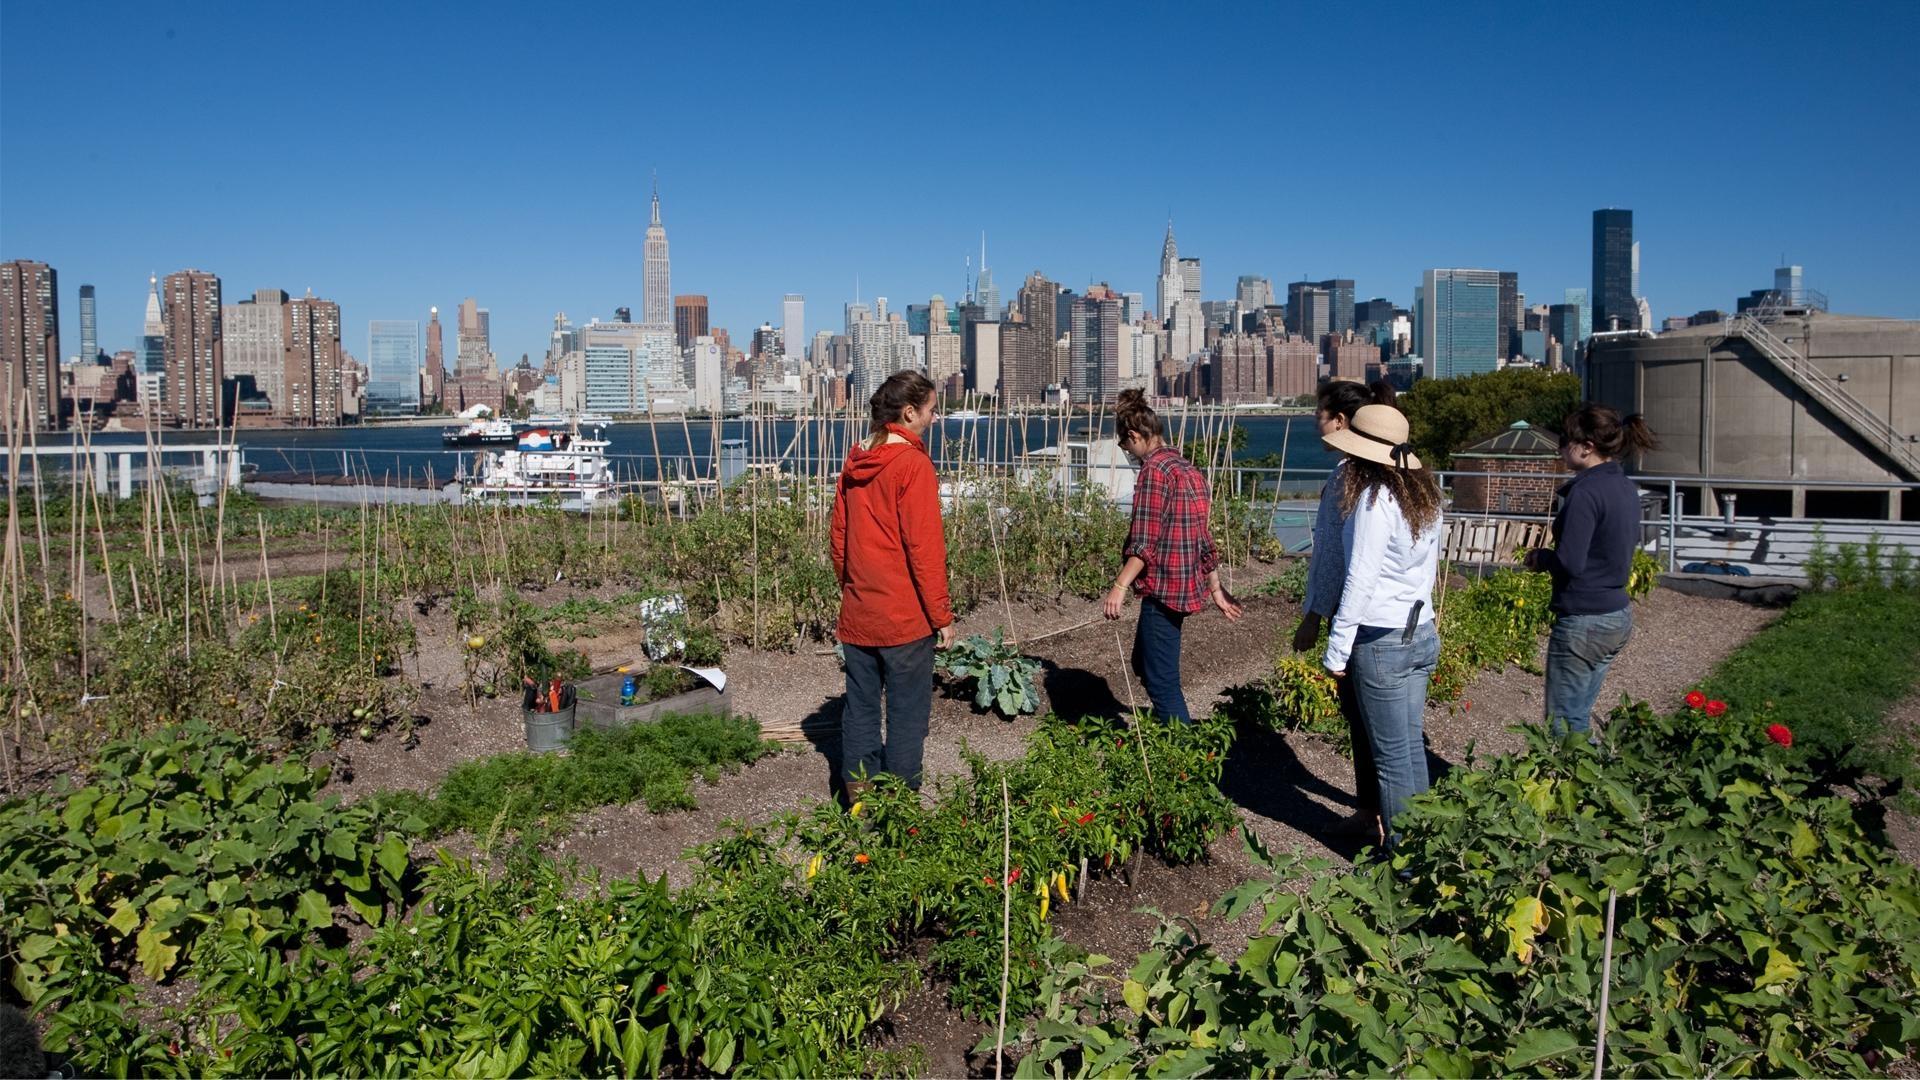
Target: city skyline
(440,219)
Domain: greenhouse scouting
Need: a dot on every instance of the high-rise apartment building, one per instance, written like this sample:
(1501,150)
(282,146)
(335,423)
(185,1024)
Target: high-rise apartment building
(793,324)
(943,349)
(656,308)
(1349,356)
(1025,356)
(433,380)
(196,355)
(768,343)
(30,342)
(1237,369)
(393,367)
(1457,322)
(1613,298)
(313,362)
(253,339)
(1099,327)
(1039,300)
(1293,367)
(89,328)
(689,319)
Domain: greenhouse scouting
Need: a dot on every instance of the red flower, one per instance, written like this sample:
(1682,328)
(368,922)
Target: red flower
(1716,707)
(1013,876)
(913,830)
(1468,705)
(661,989)
(862,858)
(1695,699)
(1780,734)
(1084,819)
(988,881)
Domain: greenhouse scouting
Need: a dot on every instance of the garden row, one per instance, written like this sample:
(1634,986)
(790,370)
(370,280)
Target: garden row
(192,858)
(181,609)
(1702,878)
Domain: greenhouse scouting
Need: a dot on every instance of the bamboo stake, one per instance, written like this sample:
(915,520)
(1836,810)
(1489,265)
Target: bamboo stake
(1606,991)
(266,576)
(1006,923)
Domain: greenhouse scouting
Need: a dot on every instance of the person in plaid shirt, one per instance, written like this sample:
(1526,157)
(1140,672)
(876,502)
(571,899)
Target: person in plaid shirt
(1171,561)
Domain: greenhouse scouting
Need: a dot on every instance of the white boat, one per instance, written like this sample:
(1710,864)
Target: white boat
(965,415)
(561,469)
(480,432)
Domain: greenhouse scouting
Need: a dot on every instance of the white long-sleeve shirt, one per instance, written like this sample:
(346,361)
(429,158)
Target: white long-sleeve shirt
(1327,566)
(1388,570)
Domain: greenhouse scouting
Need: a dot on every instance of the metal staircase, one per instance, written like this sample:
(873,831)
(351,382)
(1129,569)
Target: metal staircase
(1902,449)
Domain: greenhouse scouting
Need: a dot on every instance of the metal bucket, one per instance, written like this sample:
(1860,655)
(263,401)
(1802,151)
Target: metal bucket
(548,730)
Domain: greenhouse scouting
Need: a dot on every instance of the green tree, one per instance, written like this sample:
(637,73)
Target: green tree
(1448,414)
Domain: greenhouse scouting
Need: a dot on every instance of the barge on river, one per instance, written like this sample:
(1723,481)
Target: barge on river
(561,469)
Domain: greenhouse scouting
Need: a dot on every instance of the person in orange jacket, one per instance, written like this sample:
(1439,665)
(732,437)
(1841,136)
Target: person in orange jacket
(890,553)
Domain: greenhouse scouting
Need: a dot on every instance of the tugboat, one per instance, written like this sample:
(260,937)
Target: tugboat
(546,468)
(480,432)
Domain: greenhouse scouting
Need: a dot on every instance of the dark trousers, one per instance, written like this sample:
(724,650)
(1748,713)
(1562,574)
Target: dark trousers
(1156,659)
(1366,783)
(905,674)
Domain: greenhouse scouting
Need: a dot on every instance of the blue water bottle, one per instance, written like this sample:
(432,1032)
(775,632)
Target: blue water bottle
(627,691)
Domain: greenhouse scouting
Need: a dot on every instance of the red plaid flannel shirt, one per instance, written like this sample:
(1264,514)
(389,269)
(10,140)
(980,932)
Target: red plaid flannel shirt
(1169,532)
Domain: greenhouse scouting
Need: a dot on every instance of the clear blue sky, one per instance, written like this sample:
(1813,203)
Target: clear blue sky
(396,156)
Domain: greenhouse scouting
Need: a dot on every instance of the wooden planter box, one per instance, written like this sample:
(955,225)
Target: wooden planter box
(599,704)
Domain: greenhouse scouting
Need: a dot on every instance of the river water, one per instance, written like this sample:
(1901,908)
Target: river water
(416,451)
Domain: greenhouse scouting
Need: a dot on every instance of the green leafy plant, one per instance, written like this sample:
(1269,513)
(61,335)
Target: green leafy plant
(173,835)
(1730,871)
(1003,680)
(1644,575)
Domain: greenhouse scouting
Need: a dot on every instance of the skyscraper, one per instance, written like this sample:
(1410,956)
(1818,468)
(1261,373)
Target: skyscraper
(689,319)
(985,292)
(393,367)
(1577,298)
(1563,325)
(473,355)
(1170,287)
(1339,304)
(1508,336)
(1025,360)
(1253,292)
(1179,299)
(1457,322)
(196,357)
(89,328)
(1098,327)
(1190,278)
(153,335)
(253,336)
(1613,300)
(1309,310)
(1038,300)
(1369,314)
(656,308)
(30,341)
(793,325)
(313,362)
(943,349)
(435,378)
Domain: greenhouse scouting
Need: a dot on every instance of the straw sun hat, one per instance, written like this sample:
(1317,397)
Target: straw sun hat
(1376,433)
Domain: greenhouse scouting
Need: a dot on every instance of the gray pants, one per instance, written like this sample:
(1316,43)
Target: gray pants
(905,673)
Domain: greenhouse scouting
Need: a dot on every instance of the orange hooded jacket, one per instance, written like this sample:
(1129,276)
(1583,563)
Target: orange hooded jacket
(889,548)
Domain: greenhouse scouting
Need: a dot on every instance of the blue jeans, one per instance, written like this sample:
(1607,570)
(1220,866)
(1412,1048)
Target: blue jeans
(1579,651)
(1389,678)
(905,674)
(1156,659)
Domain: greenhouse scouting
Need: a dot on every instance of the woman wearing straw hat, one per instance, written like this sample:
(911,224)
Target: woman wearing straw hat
(1383,635)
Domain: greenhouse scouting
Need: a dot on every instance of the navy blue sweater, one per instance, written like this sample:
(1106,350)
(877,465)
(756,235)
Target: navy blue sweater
(1594,535)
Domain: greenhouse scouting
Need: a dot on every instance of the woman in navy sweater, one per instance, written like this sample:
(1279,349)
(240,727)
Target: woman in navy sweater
(1595,535)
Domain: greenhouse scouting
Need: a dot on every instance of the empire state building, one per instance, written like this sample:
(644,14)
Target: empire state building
(657,299)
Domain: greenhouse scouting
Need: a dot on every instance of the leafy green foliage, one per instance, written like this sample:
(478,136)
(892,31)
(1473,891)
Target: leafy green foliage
(1003,680)
(1487,625)
(1758,931)
(183,832)
(652,763)
(1832,665)
(791,942)
(1448,414)
(1644,575)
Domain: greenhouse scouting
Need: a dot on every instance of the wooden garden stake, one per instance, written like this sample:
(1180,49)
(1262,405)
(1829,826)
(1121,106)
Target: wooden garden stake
(1606,991)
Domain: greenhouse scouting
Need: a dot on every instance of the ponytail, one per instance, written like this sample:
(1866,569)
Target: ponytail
(901,390)
(1610,435)
(1132,415)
